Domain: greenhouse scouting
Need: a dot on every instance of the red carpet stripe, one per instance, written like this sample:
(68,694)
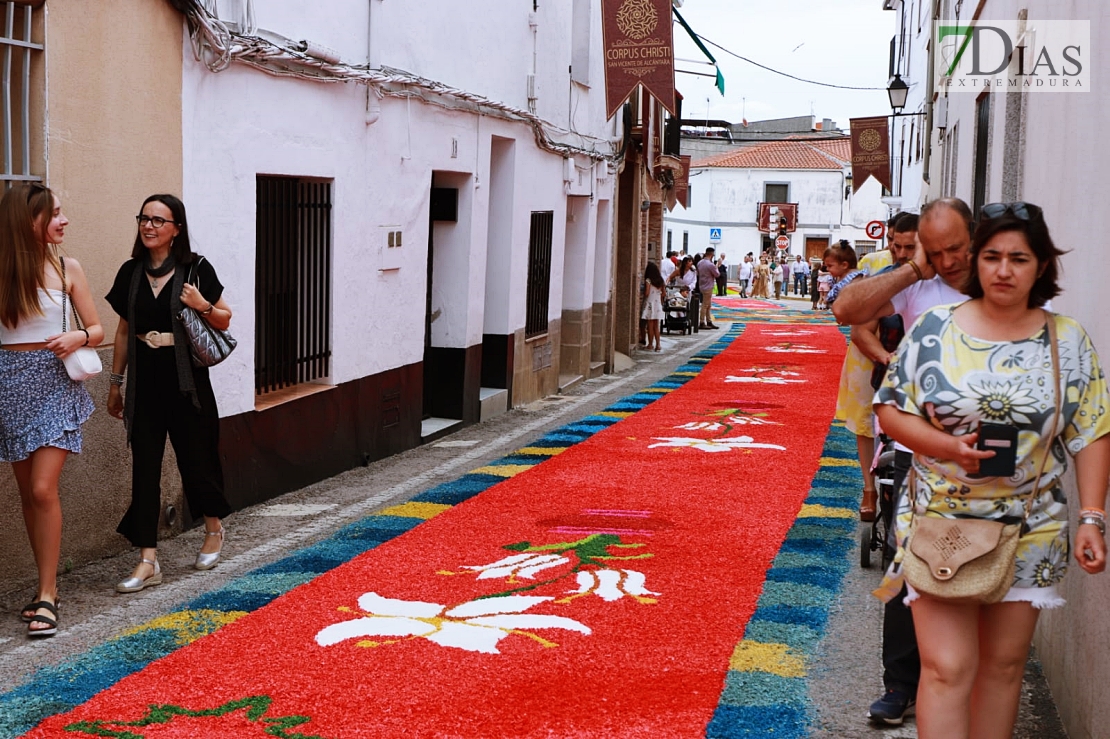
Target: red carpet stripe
(600,593)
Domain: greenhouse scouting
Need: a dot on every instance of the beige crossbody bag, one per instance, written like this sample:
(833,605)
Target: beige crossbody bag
(972,559)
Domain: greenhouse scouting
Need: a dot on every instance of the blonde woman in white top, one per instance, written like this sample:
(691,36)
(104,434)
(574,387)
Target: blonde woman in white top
(41,408)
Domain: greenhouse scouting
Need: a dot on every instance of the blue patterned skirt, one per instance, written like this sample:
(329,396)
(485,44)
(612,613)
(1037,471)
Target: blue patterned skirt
(39,405)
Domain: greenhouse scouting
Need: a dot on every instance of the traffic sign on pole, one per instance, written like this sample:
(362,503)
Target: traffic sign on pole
(875,229)
(715,235)
(782,242)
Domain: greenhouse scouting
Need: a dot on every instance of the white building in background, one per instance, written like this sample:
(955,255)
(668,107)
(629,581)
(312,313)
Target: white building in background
(411,211)
(813,176)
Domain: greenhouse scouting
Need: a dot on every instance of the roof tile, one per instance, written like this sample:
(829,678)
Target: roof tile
(823,154)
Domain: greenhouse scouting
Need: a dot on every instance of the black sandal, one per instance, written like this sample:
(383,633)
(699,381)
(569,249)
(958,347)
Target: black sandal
(51,623)
(32,607)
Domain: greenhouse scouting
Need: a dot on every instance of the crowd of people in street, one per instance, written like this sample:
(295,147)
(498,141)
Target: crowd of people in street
(156,389)
(769,276)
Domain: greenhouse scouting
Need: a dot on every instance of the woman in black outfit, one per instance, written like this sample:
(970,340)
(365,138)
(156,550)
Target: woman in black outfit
(165,393)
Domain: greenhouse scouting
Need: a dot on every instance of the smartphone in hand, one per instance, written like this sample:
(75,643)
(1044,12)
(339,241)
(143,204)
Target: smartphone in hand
(1002,440)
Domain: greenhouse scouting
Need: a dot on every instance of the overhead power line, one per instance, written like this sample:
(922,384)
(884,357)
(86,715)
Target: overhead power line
(785,74)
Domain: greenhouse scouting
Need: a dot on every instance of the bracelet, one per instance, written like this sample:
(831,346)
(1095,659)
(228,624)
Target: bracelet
(1093,512)
(1094,521)
(208,310)
(86,332)
(114,379)
(916,269)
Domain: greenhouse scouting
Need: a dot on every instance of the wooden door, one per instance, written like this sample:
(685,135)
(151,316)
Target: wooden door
(815,247)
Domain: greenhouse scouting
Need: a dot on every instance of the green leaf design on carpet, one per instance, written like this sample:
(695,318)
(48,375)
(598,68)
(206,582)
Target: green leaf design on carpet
(253,709)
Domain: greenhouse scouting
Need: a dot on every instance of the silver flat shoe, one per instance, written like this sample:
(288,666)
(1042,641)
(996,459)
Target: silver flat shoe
(135,584)
(208,561)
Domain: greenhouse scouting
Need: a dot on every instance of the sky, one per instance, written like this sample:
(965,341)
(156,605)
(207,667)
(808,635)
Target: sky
(842,42)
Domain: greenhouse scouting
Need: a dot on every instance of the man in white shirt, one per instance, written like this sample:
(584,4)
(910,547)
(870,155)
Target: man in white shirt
(800,270)
(668,266)
(744,275)
(936,275)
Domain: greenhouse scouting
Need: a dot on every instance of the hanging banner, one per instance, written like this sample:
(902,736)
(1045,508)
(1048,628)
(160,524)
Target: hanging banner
(870,151)
(639,50)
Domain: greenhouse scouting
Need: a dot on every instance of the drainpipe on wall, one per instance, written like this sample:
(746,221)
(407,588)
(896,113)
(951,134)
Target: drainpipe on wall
(843,188)
(373,98)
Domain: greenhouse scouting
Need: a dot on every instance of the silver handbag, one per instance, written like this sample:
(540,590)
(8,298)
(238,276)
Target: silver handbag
(208,346)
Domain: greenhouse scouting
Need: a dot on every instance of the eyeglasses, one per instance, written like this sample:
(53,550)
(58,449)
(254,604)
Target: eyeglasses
(155,221)
(1022,211)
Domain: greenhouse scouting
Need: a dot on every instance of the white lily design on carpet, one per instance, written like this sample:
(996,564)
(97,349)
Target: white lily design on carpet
(765,380)
(773,370)
(751,421)
(794,349)
(611,585)
(518,565)
(713,445)
(476,626)
(701,426)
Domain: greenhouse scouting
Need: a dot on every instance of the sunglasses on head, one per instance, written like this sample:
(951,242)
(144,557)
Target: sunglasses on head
(1019,210)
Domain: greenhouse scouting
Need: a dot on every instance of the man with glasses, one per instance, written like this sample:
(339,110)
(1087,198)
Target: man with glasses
(935,274)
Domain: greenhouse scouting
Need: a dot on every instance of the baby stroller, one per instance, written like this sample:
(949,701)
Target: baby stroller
(676,310)
(874,538)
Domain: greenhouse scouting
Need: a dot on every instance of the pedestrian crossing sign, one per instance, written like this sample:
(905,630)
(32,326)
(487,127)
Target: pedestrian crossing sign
(715,235)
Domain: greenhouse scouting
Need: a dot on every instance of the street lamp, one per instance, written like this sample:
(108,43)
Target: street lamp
(898,92)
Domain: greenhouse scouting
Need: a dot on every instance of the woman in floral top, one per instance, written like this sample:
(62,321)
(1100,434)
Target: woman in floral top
(989,361)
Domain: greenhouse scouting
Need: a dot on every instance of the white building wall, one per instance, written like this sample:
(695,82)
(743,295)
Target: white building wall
(912,26)
(240,123)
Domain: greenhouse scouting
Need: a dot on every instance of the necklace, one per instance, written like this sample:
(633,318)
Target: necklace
(153,274)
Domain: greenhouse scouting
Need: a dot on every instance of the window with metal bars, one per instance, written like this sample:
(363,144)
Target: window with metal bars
(292,282)
(17,49)
(539,272)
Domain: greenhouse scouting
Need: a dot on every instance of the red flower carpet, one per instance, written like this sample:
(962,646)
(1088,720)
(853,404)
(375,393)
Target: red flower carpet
(600,593)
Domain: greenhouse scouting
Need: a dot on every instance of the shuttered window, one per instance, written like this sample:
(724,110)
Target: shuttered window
(292,282)
(539,272)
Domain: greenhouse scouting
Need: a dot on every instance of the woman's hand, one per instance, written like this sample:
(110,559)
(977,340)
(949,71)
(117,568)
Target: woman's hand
(966,455)
(65,344)
(115,402)
(1090,548)
(924,438)
(191,297)
(217,314)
